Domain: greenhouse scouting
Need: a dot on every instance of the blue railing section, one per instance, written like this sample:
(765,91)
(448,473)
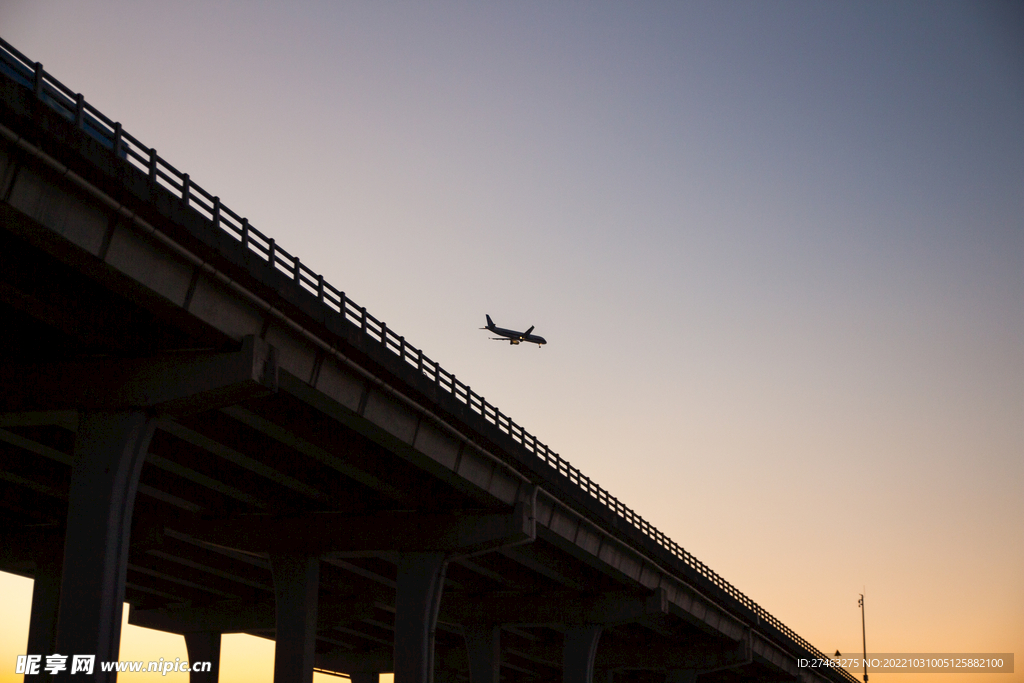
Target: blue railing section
(74,108)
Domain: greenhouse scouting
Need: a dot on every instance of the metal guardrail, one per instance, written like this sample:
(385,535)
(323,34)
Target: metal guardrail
(73,107)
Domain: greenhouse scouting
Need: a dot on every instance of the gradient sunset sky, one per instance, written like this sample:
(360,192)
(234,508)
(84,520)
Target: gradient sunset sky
(777,250)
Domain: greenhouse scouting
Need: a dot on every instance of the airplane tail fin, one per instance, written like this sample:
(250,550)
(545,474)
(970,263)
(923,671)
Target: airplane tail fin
(490,323)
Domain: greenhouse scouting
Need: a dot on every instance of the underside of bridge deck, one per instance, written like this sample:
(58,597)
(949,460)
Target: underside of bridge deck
(155,451)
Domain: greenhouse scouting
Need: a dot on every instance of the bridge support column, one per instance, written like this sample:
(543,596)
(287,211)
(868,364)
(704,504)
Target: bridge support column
(578,653)
(108,455)
(420,583)
(296,587)
(364,676)
(483,644)
(682,676)
(203,647)
(42,627)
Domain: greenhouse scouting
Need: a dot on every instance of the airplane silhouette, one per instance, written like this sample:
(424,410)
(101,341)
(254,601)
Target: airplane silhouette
(513,337)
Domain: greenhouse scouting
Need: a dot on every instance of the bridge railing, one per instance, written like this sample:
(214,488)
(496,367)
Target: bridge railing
(73,107)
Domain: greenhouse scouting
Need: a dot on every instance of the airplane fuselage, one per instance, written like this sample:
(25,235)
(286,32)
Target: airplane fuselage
(516,337)
(513,336)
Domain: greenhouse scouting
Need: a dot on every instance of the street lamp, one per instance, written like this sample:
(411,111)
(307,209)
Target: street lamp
(864,635)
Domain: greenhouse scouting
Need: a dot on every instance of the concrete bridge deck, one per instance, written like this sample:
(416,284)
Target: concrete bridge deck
(194,422)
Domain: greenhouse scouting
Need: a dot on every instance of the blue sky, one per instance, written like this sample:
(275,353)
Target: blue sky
(777,250)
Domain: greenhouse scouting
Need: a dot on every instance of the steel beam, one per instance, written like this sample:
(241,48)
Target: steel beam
(703,655)
(229,616)
(342,535)
(364,676)
(172,385)
(213,446)
(235,616)
(347,661)
(552,608)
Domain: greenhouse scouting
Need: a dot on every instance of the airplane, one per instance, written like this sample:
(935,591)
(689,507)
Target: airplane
(512,336)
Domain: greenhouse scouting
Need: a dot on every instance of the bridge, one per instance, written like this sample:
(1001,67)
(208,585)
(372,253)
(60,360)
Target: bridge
(195,423)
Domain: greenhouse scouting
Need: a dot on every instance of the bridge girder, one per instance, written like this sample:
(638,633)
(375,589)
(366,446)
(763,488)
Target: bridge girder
(99,260)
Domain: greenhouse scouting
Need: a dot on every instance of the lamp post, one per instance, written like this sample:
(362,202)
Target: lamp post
(863,633)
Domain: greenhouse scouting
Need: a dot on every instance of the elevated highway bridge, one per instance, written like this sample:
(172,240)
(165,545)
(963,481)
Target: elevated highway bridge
(194,422)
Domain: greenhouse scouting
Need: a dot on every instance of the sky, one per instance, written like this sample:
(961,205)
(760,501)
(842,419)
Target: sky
(777,251)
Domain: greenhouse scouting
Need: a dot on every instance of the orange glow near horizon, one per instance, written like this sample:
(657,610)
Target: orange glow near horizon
(248,659)
(243,658)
